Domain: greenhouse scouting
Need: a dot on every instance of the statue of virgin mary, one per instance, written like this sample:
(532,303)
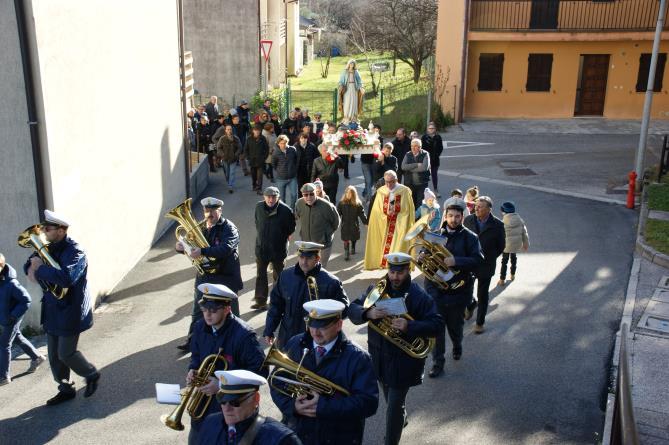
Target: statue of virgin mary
(350,93)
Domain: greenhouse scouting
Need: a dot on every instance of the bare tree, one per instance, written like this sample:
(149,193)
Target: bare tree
(408,29)
(359,38)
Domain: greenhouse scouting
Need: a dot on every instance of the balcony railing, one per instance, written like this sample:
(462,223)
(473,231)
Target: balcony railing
(564,15)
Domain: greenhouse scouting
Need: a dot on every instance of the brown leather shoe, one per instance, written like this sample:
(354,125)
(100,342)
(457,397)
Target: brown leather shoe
(478,329)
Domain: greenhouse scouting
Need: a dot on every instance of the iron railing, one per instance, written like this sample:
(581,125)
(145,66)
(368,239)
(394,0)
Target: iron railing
(564,15)
(624,430)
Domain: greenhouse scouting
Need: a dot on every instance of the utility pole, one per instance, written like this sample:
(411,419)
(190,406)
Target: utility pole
(643,137)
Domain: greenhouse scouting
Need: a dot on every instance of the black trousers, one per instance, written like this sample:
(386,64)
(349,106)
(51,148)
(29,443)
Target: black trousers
(453,315)
(256,177)
(63,357)
(331,191)
(262,285)
(417,193)
(395,412)
(483,296)
(505,262)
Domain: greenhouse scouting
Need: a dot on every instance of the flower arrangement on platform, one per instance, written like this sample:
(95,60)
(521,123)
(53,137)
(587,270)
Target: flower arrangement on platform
(350,139)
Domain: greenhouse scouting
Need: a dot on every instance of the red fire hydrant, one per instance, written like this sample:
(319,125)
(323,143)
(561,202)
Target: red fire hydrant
(630,190)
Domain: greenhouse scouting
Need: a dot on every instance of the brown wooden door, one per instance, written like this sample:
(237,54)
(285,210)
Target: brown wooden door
(592,93)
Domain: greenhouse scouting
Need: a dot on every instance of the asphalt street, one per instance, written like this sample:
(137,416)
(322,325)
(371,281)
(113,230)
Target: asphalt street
(536,376)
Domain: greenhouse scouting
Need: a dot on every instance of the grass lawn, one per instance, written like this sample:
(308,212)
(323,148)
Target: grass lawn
(658,197)
(657,235)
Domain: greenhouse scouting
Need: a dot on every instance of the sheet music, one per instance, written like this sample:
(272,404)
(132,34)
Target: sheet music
(394,306)
(168,393)
(187,247)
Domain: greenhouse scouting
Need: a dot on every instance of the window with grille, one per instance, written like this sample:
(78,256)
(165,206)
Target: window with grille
(644,69)
(539,68)
(491,67)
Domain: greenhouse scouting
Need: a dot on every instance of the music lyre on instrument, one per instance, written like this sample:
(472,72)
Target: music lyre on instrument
(33,237)
(419,347)
(189,231)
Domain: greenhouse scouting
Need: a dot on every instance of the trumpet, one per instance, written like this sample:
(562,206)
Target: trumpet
(419,347)
(295,379)
(432,264)
(189,231)
(195,402)
(312,288)
(33,237)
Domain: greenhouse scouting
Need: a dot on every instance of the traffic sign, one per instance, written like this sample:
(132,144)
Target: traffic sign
(265,47)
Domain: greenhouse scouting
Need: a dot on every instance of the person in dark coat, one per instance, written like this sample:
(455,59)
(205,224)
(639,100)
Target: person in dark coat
(64,319)
(433,144)
(492,237)
(222,258)
(220,333)
(306,153)
(275,223)
(212,108)
(386,161)
(352,212)
(238,420)
(228,149)
(416,167)
(451,303)
(291,291)
(255,152)
(401,146)
(14,303)
(284,168)
(320,419)
(326,168)
(397,371)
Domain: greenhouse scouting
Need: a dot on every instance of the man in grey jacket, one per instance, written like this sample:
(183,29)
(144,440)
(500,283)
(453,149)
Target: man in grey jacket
(416,168)
(318,219)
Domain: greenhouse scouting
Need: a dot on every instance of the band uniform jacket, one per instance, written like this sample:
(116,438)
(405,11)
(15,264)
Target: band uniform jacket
(223,239)
(290,293)
(339,419)
(393,366)
(466,250)
(72,314)
(240,345)
(214,431)
(492,239)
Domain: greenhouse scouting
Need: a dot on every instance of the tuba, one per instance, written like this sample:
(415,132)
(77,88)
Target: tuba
(195,402)
(188,231)
(417,348)
(432,264)
(296,380)
(33,237)
(312,288)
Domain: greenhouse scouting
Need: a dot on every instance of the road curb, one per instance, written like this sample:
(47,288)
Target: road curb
(644,249)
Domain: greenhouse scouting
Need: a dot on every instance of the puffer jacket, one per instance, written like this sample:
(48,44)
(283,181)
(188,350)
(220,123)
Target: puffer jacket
(515,232)
(229,149)
(14,298)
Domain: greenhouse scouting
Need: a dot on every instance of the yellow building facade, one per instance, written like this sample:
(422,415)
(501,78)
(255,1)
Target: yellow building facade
(548,58)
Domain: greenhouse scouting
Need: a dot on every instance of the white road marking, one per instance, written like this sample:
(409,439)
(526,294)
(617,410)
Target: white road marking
(463,144)
(510,154)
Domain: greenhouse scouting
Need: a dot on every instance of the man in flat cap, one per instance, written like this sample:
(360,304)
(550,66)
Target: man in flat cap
(221,331)
(306,281)
(396,370)
(319,220)
(222,256)
(239,420)
(66,318)
(324,349)
(275,223)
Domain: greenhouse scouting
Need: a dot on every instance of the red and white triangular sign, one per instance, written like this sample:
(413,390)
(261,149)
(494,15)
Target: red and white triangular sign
(265,47)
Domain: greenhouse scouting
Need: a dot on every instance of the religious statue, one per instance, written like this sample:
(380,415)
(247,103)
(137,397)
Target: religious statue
(350,93)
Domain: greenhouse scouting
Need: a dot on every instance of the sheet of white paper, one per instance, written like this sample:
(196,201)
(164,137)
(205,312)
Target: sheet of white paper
(168,393)
(187,248)
(394,306)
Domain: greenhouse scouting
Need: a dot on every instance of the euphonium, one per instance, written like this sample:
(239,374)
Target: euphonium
(189,230)
(432,264)
(312,288)
(195,402)
(419,347)
(33,237)
(299,380)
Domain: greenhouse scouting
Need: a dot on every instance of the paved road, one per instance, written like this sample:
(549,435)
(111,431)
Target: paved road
(535,377)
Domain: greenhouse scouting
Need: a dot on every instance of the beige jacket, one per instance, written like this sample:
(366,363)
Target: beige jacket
(516,233)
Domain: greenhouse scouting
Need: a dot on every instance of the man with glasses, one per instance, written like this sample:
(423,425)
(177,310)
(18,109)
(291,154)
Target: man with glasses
(222,254)
(66,318)
(292,290)
(392,215)
(220,330)
(239,420)
(319,220)
(325,350)
(490,231)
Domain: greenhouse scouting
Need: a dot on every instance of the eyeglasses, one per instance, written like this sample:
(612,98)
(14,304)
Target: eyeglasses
(49,228)
(210,310)
(308,194)
(233,403)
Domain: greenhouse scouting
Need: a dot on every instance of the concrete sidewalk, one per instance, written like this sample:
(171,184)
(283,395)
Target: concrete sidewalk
(561,126)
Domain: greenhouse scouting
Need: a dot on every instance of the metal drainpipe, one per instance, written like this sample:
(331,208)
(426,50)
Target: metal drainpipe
(21,25)
(182,74)
(260,83)
(463,70)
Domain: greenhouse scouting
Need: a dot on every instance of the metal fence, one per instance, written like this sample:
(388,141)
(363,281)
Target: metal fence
(624,430)
(564,15)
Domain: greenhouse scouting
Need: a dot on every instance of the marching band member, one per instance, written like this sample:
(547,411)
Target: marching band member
(238,419)
(325,350)
(292,289)
(223,252)
(396,370)
(220,330)
(65,319)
